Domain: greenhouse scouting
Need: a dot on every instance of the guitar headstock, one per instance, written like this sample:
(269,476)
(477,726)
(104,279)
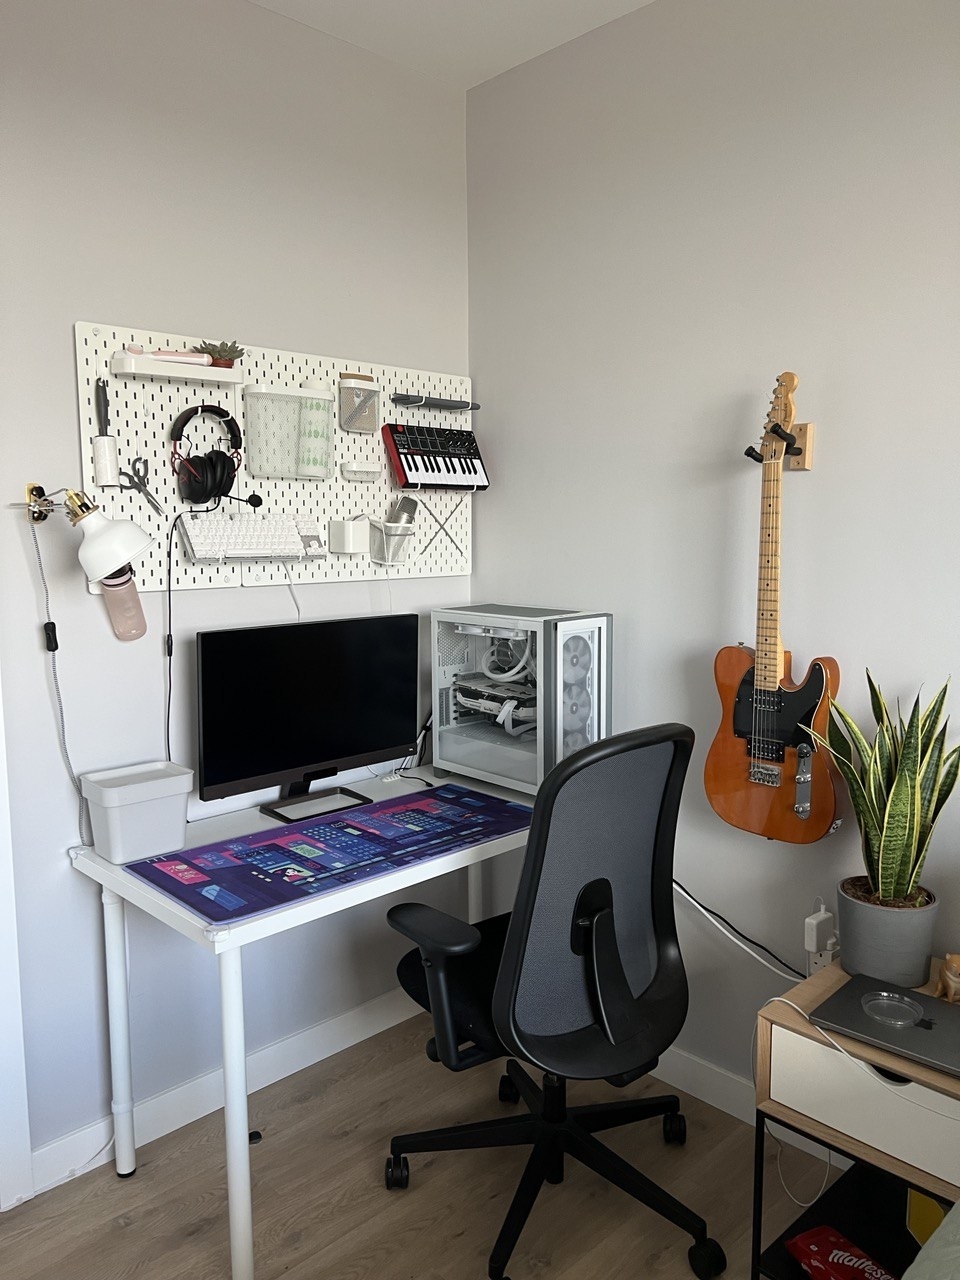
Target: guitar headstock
(780,418)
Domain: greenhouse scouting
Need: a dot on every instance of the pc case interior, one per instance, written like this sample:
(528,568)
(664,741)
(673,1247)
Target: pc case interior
(517,689)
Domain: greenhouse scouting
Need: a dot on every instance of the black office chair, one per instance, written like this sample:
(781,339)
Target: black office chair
(583,979)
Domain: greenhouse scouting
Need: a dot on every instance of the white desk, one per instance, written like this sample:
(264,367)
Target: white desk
(119,889)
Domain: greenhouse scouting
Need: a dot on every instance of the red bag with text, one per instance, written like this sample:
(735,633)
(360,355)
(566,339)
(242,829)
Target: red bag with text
(825,1254)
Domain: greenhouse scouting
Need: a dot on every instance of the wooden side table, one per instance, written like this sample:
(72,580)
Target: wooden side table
(898,1120)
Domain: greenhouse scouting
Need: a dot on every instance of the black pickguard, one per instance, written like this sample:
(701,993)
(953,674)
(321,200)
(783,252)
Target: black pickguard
(783,715)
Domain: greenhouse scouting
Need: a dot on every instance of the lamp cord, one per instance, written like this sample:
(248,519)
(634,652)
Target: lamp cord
(82,816)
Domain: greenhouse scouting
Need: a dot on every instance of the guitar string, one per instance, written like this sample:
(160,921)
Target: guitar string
(761,727)
(764,718)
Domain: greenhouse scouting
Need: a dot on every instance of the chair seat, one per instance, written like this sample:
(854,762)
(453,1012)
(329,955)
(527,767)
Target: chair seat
(471,981)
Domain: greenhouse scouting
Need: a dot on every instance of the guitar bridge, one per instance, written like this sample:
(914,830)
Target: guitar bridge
(768,775)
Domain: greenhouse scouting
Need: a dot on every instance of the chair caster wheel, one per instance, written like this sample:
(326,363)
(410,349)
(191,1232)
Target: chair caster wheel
(396,1175)
(707,1259)
(508,1092)
(675,1128)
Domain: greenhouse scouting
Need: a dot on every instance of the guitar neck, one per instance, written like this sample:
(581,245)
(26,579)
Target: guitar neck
(769,646)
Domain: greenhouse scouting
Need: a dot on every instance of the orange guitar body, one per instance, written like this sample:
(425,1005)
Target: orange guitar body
(762,807)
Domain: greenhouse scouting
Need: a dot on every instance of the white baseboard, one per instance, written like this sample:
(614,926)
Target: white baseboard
(730,1093)
(89,1147)
(712,1084)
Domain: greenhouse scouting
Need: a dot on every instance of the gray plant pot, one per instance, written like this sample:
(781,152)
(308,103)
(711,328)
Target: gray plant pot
(891,943)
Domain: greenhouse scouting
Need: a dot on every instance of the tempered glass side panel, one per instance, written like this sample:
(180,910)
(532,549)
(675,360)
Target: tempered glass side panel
(485,680)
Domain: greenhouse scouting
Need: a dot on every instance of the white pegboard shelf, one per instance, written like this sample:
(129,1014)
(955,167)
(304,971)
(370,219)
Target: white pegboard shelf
(145,397)
(125,366)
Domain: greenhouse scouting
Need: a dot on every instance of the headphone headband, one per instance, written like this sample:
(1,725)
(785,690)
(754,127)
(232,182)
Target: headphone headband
(226,418)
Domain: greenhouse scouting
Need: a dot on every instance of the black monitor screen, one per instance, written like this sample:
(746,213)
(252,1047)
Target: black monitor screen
(284,705)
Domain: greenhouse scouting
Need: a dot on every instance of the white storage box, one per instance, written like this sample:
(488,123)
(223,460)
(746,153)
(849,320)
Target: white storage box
(350,537)
(138,811)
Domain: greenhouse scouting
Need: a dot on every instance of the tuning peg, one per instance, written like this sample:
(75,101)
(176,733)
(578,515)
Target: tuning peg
(751,452)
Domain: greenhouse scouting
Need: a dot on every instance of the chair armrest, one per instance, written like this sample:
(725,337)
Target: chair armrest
(439,937)
(434,932)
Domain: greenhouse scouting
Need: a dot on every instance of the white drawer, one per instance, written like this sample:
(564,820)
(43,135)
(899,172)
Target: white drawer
(908,1121)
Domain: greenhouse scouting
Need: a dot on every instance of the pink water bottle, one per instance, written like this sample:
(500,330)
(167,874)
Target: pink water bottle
(123,604)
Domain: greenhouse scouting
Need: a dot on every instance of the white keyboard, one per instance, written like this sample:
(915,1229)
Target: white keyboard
(215,536)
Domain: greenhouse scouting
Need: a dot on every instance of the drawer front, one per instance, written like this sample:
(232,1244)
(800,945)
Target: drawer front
(908,1121)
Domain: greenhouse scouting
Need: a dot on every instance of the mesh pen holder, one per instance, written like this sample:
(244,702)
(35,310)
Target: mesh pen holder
(389,542)
(359,403)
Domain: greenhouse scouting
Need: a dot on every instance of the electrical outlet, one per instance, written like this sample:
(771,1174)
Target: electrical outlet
(820,959)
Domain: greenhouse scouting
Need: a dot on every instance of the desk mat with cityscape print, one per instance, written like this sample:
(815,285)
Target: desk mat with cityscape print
(249,874)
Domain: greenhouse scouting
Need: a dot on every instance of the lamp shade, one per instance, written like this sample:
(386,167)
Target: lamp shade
(109,544)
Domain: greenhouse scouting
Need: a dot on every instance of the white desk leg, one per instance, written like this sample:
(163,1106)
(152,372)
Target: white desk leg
(118,1012)
(239,1195)
(475,892)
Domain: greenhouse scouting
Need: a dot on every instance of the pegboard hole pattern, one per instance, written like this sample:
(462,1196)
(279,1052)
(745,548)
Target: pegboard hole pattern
(142,411)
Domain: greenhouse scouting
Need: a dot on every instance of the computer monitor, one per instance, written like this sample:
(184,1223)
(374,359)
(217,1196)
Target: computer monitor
(288,704)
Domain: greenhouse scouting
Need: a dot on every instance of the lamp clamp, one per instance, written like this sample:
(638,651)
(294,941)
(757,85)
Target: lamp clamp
(38,505)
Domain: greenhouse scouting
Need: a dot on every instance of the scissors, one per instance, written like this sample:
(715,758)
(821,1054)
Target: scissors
(138,480)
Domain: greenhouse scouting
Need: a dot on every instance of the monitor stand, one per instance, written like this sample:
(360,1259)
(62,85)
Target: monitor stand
(293,807)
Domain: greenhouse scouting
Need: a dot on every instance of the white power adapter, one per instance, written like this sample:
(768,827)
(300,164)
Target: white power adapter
(820,939)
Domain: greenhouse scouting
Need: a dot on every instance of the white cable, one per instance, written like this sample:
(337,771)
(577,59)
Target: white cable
(503,677)
(81,1168)
(865,1067)
(494,708)
(787,977)
(82,813)
(803,1204)
(505,718)
(291,590)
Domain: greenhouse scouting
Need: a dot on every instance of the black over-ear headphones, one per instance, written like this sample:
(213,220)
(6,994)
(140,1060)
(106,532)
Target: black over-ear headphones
(202,477)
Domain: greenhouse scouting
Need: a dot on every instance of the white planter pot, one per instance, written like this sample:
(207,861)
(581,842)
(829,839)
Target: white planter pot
(893,944)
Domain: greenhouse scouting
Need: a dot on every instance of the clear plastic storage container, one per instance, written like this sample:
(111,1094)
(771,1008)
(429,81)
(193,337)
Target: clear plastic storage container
(389,541)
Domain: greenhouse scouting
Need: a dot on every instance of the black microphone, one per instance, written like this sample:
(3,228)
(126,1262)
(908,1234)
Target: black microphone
(253,501)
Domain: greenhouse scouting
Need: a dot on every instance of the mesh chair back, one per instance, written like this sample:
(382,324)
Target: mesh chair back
(607,814)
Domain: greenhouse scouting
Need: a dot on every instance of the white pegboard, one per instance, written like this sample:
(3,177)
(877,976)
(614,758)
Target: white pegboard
(142,412)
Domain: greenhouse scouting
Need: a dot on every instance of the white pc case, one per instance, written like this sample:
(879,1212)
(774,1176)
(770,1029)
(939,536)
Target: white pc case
(517,689)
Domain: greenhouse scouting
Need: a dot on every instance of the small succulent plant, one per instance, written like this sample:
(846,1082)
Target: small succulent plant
(220,350)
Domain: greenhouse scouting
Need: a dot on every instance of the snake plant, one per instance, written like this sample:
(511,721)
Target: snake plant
(898,784)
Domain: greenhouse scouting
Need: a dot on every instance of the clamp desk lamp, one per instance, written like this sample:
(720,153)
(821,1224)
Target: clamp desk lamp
(105,553)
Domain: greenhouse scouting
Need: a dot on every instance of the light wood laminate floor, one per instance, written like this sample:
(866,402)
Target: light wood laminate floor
(321,1211)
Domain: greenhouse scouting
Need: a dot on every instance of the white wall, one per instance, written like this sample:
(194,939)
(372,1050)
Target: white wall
(664,215)
(209,169)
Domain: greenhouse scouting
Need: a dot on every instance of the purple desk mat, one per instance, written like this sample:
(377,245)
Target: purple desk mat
(235,878)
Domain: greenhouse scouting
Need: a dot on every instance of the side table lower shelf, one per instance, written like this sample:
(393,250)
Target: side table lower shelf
(868,1206)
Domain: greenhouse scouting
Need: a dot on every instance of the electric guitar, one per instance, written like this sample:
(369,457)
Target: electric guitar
(763,772)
